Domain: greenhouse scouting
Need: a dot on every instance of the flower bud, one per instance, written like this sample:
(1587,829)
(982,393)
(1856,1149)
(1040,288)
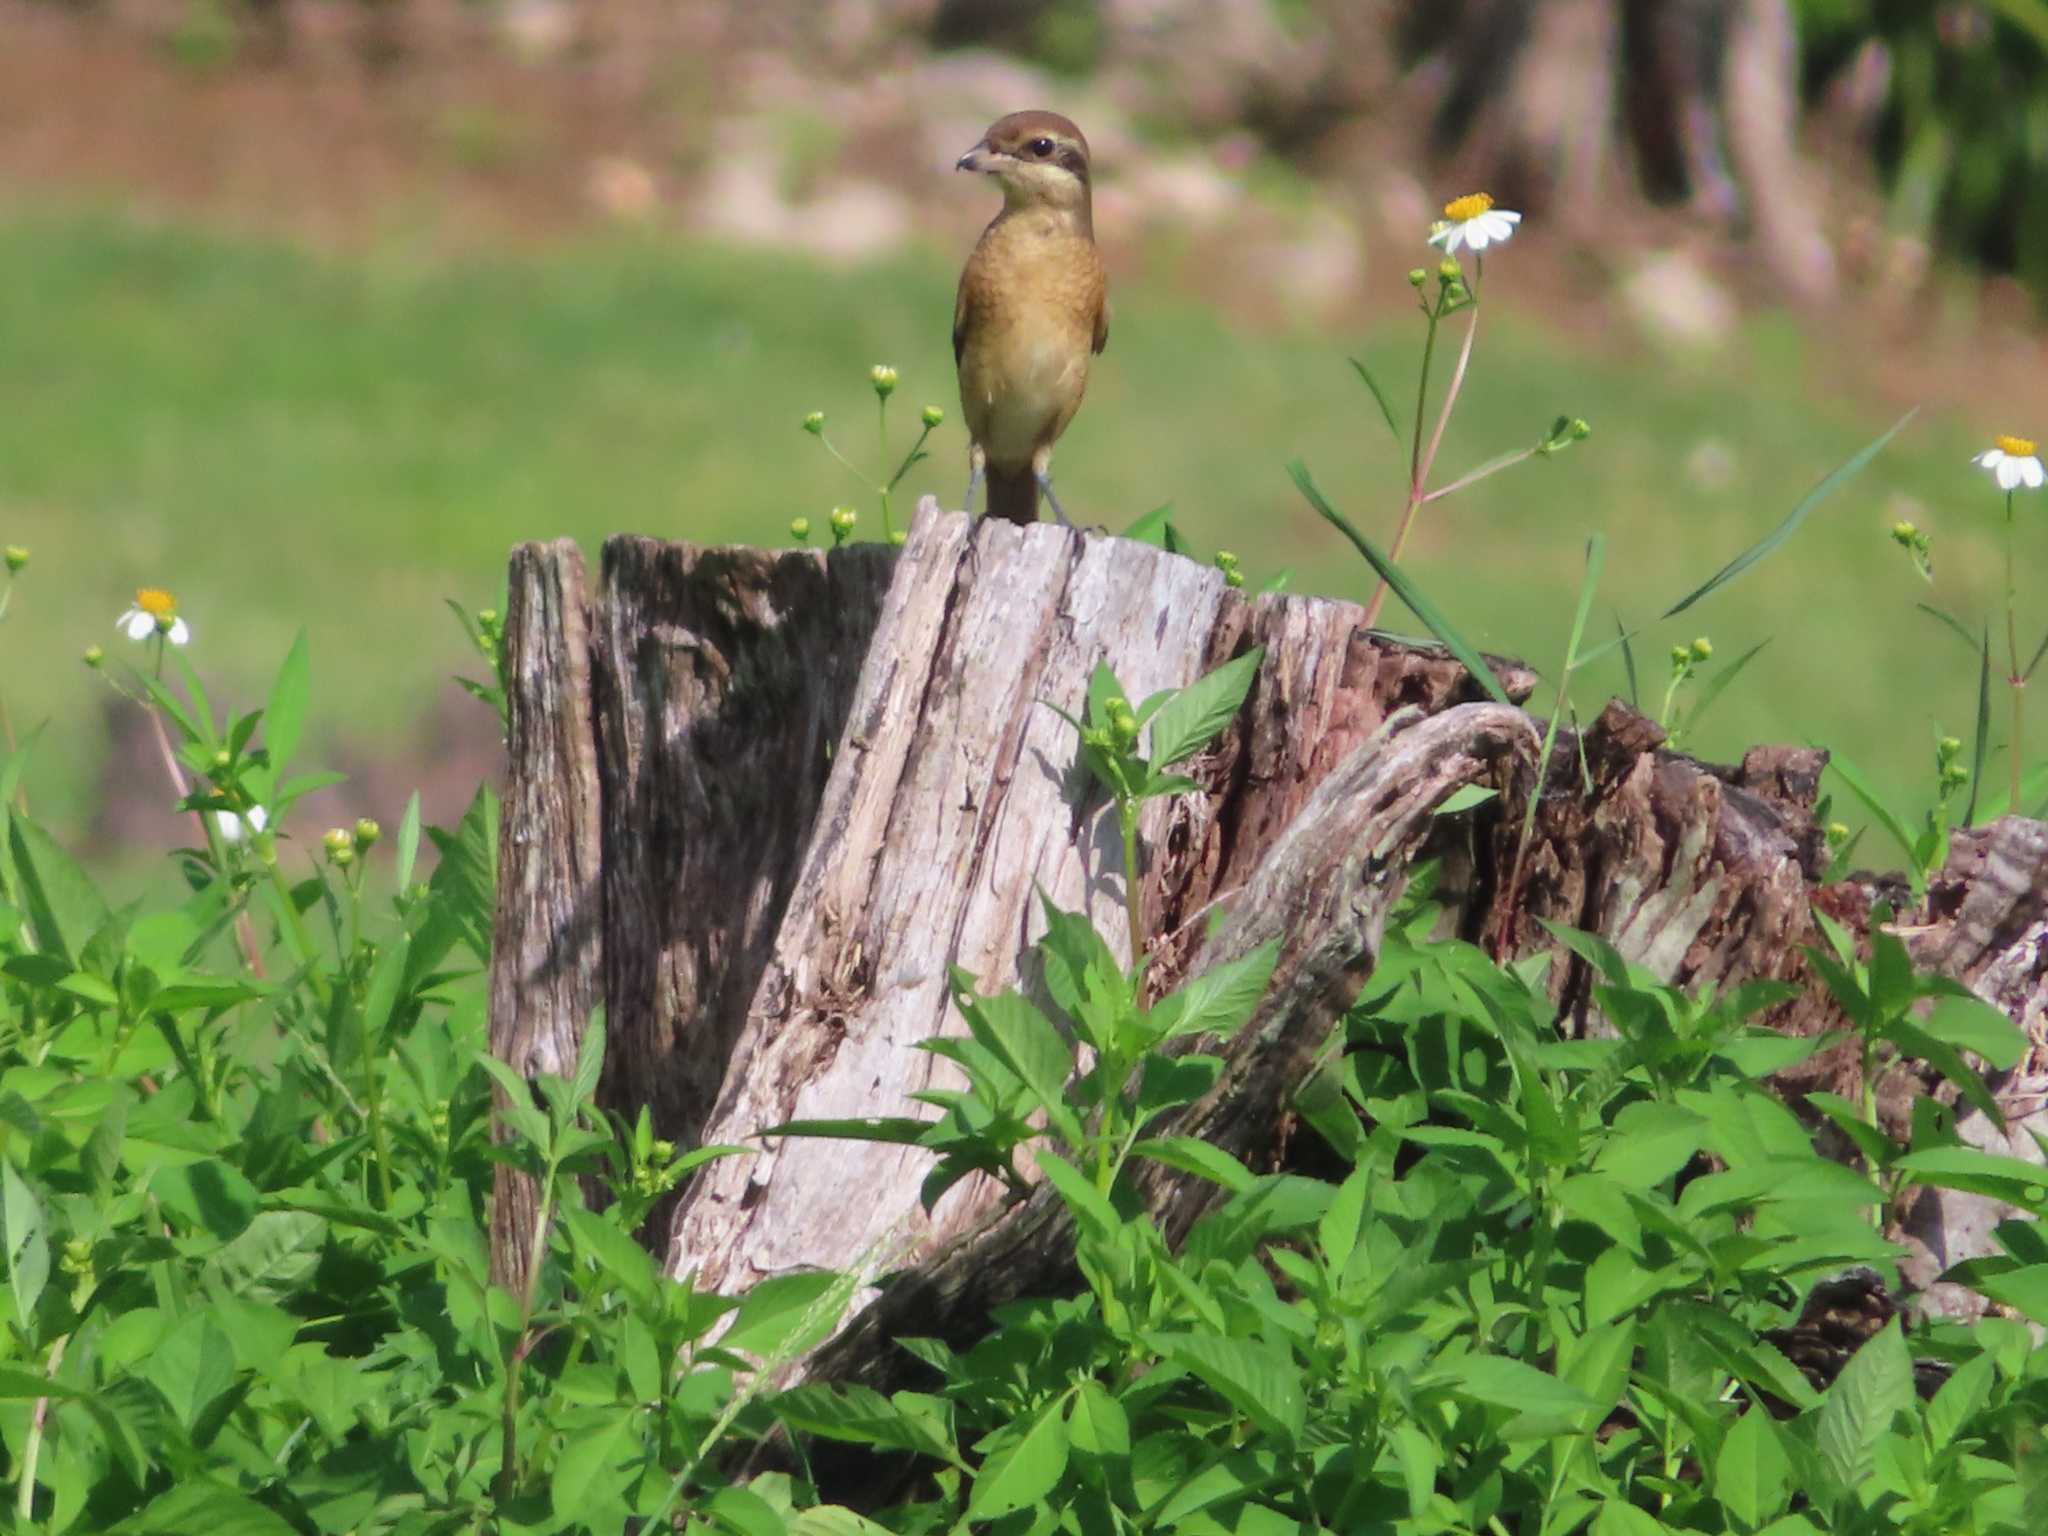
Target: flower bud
(800,529)
(899,537)
(94,656)
(883,377)
(933,416)
(815,423)
(367,833)
(1449,270)
(1456,293)
(1838,832)
(1580,429)
(1233,577)
(1225,560)
(1905,534)
(17,557)
(1949,747)
(222,760)
(1417,277)
(843,519)
(337,841)
(1681,655)
(1702,648)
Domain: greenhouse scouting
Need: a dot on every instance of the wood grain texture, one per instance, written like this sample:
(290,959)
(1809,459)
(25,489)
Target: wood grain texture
(547,952)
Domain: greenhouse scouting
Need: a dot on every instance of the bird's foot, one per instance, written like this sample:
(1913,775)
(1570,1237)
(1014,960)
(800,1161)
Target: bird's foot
(1058,512)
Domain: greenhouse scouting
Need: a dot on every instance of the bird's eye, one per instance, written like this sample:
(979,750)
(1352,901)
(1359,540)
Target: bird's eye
(1041,147)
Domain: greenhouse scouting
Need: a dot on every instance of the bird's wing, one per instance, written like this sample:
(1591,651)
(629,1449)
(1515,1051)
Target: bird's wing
(960,316)
(1101,326)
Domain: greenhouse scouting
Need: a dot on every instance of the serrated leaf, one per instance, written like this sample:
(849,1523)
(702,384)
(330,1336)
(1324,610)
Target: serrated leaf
(593,1459)
(1619,1519)
(1025,1041)
(199,1504)
(1097,1424)
(1258,1381)
(1024,1470)
(1190,1154)
(63,906)
(1218,1001)
(1875,1385)
(1337,1233)
(28,1245)
(1192,717)
(1752,1475)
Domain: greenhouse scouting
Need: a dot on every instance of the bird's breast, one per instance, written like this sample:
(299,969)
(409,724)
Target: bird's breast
(1032,299)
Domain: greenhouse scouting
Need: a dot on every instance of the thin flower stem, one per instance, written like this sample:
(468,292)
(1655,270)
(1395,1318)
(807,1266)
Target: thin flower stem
(245,931)
(2016,680)
(32,1449)
(882,457)
(1421,460)
(1484,471)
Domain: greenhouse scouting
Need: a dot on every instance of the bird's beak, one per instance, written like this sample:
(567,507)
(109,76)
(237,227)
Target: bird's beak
(979,158)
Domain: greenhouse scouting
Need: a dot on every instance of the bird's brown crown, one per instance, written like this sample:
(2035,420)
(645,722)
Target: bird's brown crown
(1043,138)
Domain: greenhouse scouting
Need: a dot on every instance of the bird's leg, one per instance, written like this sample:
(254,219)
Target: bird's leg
(1045,485)
(976,462)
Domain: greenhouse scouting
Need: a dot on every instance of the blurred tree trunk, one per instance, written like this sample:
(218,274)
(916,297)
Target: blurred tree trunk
(1554,102)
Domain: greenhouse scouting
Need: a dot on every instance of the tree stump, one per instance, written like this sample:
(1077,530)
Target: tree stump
(760,802)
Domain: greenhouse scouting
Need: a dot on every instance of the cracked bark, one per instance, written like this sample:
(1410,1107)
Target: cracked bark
(822,779)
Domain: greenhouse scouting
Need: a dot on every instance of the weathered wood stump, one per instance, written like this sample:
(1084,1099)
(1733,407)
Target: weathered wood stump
(759,803)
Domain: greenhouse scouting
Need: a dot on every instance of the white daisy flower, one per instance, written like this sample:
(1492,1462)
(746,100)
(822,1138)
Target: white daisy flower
(1473,221)
(155,613)
(234,828)
(2013,463)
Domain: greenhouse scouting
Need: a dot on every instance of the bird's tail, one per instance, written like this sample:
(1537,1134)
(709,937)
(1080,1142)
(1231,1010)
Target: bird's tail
(1013,494)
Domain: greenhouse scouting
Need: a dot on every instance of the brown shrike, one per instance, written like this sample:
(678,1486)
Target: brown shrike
(1032,310)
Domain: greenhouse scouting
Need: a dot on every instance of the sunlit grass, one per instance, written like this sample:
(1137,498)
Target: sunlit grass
(288,439)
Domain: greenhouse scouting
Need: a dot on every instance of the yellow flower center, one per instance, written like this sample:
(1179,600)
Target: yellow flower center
(2015,447)
(1470,206)
(156,602)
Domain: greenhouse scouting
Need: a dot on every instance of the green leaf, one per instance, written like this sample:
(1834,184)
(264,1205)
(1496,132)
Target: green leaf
(1257,1380)
(1866,793)
(1876,1384)
(1961,1398)
(1619,1519)
(895,1130)
(1025,1469)
(1752,1475)
(833,1520)
(1191,718)
(862,1416)
(1219,1001)
(199,1504)
(1204,1159)
(1386,407)
(1505,1383)
(1097,1424)
(407,847)
(1024,1040)
(28,1245)
(192,1366)
(1154,527)
(1337,1233)
(1969,1023)
(1778,535)
(1463,799)
(593,1459)
(64,907)
(1090,1207)
(774,1310)
(1404,589)
(212,1195)
(285,715)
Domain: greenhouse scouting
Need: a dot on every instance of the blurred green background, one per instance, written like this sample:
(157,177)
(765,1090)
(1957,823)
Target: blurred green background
(290,429)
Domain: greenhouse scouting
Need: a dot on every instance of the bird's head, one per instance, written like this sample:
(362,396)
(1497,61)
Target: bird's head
(1039,157)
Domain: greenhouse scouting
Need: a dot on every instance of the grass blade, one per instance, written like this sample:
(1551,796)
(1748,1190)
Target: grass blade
(1983,746)
(1955,625)
(1628,662)
(1386,406)
(1852,777)
(1712,690)
(1404,589)
(1778,535)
